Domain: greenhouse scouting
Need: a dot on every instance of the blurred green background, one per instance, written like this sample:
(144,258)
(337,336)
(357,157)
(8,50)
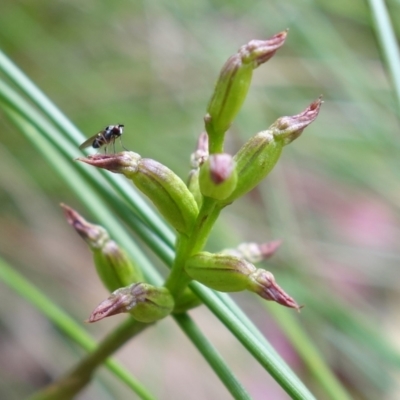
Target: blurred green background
(333,198)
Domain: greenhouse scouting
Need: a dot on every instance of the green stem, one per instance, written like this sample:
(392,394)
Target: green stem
(72,383)
(213,357)
(187,246)
(215,140)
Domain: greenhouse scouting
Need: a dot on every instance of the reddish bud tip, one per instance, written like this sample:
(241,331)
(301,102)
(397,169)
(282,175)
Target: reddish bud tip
(124,162)
(263,283)
(260,51)
(119,302)
(94,235)
(290,128)
(221,167)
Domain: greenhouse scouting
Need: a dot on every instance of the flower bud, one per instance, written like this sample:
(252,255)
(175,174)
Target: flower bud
(113,266)
(146,303)
(166,190)
(257,157)
(263,283)
(221,272)
(218,176)
(254,252)
(94,235)
(233,84)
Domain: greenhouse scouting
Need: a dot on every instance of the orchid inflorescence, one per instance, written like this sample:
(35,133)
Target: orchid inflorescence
(216,180)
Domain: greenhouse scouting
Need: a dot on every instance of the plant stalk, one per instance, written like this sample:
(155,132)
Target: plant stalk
(187,246)
(72,383)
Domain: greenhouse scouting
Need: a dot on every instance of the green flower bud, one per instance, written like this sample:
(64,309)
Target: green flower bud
(113,266)
(166,190)
(218,176)
(257,157)
(221,272)
(233,84)
(254,252)
(146,303)
(263,283)
(186,301)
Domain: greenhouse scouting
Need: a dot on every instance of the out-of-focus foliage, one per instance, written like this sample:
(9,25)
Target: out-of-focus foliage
(333,197)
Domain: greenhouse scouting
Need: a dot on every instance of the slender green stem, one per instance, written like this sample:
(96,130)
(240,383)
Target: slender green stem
(178,279)
(187,246)
(72,383)
(215,140)
(212,356)
(205,221)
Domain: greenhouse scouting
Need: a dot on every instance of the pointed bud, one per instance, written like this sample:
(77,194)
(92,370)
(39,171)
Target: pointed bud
(199,156)
(290,128)
(257,157)
(186,301)
(263,283)
(166,190)
(218,176)
(254,252)
(221,272)
(113,265)
(146,303)
(94,235)
(233,84)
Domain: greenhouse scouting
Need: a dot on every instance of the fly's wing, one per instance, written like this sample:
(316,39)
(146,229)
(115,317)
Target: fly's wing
(88,142)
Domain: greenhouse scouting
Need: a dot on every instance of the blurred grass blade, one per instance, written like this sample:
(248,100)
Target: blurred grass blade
(309,354)
(65,323)
(387,39)
(261,350)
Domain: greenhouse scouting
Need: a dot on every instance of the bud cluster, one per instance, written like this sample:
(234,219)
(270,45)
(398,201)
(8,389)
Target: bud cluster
(216,180)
